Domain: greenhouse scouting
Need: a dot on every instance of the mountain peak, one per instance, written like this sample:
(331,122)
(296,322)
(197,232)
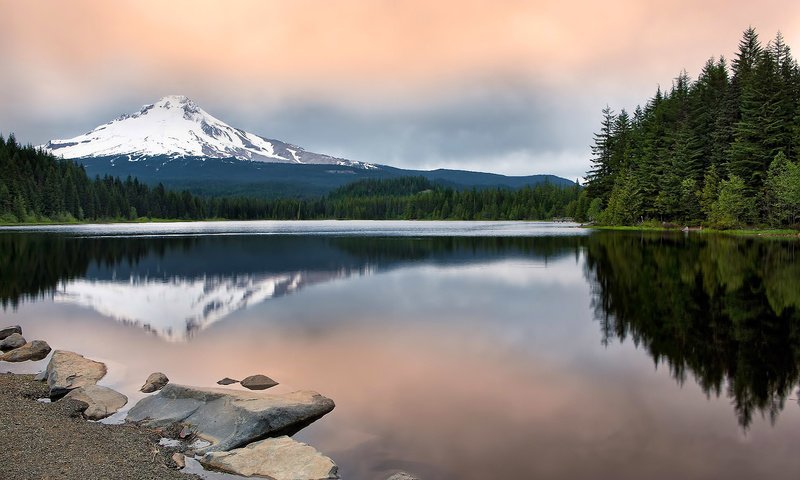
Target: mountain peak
(181,102)
(174,99)
(175,126)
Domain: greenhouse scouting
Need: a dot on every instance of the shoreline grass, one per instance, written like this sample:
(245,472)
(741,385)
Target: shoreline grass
(742,232)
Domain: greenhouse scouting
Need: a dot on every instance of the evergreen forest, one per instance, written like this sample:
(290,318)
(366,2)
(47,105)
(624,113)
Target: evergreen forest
(35,186)
(721,150)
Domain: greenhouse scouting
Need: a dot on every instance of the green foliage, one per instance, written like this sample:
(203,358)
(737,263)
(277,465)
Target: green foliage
(733,208)
(689,206)
(380,187)
(710,190)
(595,210)
(683,144)
(782,191)
(415,198)
(624,202)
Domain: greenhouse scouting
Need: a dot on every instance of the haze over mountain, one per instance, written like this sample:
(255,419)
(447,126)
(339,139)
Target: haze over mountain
(175,142)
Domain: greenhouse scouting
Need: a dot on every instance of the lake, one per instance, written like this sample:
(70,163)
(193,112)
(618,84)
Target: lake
(467,350)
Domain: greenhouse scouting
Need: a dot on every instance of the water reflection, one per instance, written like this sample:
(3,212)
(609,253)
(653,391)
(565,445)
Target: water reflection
(724,310)
(176,287)
(465,358)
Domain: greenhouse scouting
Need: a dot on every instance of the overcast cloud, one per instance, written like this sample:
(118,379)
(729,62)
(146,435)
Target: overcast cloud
(501,86)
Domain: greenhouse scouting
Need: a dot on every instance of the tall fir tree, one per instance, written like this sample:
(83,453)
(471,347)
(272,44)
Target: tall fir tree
(600,177)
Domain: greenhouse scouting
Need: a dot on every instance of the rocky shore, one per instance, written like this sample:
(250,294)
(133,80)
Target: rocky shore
(43,424)
(54,441)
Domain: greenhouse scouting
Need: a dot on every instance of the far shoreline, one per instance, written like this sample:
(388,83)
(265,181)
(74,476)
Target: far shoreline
(220,220)
(744,232)
(739,232)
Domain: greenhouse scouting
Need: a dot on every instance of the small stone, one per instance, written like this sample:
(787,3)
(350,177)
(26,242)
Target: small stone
(102,401)
(154,382)
(5,332)
(36,350)
(179,459)
(227,381)
(15,340)
(402,476)
(41,376)
(258,382)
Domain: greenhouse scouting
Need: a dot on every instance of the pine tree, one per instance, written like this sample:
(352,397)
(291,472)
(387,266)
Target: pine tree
(710,126)
(600,177)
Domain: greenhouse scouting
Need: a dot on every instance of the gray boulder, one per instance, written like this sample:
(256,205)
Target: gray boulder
(4,332)
(69,370)
(154,382)
(258,382)
(228,418)
(101,401)
(278,458)
(36,350)
(15,340)
(227,381)
(402,476)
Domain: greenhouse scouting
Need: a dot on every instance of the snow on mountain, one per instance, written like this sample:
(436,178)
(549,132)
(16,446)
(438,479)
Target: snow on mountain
(175,126)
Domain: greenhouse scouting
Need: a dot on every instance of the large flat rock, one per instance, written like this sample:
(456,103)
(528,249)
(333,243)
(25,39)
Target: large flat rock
(278,458)
(102,401)
(69,370)
(227,418)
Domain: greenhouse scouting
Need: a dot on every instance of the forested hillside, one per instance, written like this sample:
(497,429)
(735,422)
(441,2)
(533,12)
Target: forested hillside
(419,198)
(721,150)
(37,187)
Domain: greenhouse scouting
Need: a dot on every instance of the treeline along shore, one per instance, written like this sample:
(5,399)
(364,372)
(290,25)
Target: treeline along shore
(37,187)
(720,151)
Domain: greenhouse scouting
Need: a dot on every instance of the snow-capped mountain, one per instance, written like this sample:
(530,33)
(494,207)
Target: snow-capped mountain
(177,127)
(176,143)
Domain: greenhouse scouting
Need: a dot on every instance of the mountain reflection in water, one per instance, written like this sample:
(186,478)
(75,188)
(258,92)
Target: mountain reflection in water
(176,287)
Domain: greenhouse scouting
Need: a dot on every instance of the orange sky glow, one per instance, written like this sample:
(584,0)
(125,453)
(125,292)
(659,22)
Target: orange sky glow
(248,59)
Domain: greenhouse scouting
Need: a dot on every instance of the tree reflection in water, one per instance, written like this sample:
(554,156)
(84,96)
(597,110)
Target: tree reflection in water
(722,309)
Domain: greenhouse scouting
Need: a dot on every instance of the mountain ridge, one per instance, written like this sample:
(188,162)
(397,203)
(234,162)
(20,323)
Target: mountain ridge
(175,142)
(222,177)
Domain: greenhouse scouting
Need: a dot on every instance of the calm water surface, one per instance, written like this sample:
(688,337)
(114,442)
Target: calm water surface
(453,350)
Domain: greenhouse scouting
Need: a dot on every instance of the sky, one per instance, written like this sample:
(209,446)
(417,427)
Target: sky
(504,86)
